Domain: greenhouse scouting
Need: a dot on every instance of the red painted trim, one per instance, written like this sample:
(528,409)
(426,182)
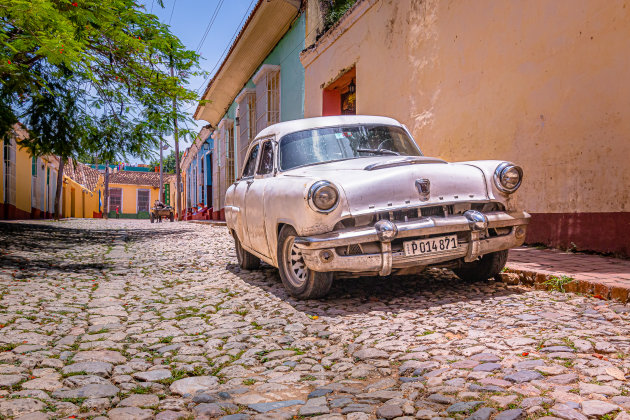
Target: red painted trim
(331,102)
(599,232)
(37,213)
(222,214)
(10,212)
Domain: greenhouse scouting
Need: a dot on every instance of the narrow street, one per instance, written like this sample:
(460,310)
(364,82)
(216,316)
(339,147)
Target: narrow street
(132,320)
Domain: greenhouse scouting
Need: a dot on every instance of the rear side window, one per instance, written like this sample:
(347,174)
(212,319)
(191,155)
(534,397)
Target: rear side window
(250,165)
(266,159)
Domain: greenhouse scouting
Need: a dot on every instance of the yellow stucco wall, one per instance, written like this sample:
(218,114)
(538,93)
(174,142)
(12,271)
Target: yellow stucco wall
(538,82)
(85,205)
(1,169)
(85,202)
(130,195)
(23,180)
(173,191)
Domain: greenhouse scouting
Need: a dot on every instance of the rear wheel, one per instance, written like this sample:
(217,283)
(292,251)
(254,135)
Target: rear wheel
(246,260)
(172,217)
(297,278)
(488,266)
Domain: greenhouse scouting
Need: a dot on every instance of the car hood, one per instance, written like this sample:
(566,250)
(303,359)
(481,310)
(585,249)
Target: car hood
(386,182)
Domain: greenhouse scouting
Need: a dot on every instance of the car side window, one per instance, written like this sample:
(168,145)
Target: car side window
(248,170)
(265,166)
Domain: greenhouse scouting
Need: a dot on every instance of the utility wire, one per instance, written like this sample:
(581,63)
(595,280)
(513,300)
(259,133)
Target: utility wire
(238,28)
(172,10)
(207,31)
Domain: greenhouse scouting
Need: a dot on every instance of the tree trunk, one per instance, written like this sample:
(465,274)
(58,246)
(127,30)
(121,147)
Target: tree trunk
(106,194)
(178,175)
(161,196)
(62,163)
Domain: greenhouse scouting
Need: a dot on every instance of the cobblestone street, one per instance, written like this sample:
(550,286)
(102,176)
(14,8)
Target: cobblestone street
(130,320)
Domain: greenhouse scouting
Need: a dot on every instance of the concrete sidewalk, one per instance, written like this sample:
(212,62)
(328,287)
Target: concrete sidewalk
(604,277)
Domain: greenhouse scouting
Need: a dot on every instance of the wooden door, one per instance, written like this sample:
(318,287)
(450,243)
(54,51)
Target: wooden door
(72,203)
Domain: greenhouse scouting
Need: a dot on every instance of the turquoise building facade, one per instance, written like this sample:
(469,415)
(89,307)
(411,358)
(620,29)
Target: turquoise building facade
(273,93)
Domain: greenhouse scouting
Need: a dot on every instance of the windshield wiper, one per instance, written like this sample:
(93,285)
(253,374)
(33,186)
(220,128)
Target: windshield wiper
(379,151)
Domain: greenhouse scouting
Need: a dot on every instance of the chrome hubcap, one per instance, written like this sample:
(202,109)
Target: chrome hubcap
(296,269)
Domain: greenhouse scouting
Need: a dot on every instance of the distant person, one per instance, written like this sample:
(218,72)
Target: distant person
(117,213)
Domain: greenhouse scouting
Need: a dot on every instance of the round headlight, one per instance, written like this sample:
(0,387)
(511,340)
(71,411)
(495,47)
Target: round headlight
(324,196)
(508,177)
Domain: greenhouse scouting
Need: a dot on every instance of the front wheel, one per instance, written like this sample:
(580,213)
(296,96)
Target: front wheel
(486,267)
(246,260)
(152,218)
(297,278)
(172,217)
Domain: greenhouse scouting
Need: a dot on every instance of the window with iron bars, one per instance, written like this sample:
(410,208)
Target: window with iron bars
(202,181)
(115,199)
(230,176)
(143,200)
(273,98)
(251,118)
(9,171)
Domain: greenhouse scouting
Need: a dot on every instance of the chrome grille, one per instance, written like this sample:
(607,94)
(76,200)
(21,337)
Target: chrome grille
(354,250)
(405,215)
(433,211)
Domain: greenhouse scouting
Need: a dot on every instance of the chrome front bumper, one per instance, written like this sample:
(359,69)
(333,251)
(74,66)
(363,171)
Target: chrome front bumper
(320,254)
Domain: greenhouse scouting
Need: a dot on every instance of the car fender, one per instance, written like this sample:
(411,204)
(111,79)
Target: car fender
(286,202)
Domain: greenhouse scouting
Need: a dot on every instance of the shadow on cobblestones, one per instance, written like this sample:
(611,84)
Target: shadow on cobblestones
(393,293)
(40,236)
(37,239)
(172,329)
(28,265)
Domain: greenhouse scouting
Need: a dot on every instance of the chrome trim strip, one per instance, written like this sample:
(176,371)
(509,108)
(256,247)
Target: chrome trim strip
(411,160)
(423,226)
(385,261)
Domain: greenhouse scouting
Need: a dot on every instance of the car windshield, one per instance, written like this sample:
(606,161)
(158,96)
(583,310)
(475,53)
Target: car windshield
(328,144)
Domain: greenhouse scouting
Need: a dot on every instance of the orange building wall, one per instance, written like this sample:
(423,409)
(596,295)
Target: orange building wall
(542,83)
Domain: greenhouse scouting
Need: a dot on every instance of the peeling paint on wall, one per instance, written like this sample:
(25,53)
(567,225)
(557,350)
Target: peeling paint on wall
(535,82)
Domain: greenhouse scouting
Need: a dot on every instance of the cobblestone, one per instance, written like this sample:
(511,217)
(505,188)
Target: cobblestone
(130,320)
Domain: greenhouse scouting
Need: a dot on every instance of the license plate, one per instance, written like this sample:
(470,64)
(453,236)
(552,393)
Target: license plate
(430,245)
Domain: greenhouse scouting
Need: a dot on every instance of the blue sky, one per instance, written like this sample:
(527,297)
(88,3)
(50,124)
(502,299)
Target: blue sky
(189,20)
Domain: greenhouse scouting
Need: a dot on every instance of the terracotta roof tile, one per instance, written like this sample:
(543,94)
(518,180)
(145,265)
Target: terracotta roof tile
(151,179)
(82,174)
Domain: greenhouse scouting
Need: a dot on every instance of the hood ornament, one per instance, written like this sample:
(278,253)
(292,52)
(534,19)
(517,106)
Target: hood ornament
(423,186)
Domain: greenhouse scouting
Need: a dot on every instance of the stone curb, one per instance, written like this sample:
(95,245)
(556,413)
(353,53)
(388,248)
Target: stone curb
(542,281)
(207,222)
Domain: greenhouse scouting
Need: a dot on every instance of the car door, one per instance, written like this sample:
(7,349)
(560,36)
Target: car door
(254,200)
(240,191)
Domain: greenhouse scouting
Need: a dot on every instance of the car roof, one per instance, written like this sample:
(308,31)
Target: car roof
(280,129)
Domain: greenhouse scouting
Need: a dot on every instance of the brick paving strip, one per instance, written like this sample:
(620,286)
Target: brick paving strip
(128,320)
(603,277)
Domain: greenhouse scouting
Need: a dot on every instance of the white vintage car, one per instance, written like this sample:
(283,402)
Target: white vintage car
(353,195)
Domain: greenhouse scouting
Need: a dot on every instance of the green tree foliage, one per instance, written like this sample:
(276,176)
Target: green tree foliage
(334,10)
(91,77)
